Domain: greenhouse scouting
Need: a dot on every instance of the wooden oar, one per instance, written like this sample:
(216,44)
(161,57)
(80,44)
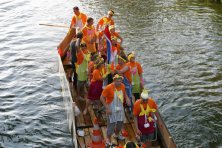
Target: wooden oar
(54,25)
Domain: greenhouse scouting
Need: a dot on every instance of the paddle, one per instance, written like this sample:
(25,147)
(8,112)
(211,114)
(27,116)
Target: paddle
(54,25)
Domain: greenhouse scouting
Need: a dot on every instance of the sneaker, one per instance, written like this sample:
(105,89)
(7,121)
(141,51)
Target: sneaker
(108,144)
(119,137)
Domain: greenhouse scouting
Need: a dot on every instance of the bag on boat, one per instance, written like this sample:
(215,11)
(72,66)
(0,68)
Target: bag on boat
(76,109)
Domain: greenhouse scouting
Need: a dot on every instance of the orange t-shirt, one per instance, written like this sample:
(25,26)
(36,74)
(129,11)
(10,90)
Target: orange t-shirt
(127,73)
(105,21)
(80,56)
(83,18)
(88,34)
(97,75)
(109,90)
(133,64)
(137,109)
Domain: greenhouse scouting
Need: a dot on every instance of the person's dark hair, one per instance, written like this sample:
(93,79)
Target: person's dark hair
(75,8)
(79,35)
(112,11)
(89,20)
(130,145)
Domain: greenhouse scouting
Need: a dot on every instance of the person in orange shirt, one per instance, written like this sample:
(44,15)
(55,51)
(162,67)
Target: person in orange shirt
(136,75)
(112,98)
(145,118)
(101,43)
(91,65)
(96,84)
(105,21)
(89,35)
(123,69)
(78,19)
(115,34)
(117,41)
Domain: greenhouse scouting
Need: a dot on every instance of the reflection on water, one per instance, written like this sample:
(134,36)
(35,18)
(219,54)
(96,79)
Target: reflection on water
(177,42)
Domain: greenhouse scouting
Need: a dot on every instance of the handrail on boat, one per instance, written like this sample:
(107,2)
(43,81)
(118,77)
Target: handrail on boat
(68,102)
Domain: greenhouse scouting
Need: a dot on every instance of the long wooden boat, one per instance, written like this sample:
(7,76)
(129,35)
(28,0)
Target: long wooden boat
(85,122)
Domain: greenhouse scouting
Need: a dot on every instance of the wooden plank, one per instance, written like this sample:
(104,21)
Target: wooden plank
(87,119)
(166,137)
(128,117)
(99,117)
(87,136)
(91,112)
(66,41)
(81,142)
(80,119)
(125,118)
(104,129)
(131,133)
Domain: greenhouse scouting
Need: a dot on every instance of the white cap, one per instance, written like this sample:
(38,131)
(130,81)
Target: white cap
(144,94)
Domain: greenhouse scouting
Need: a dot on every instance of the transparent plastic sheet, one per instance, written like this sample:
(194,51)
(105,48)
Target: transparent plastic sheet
(67,99)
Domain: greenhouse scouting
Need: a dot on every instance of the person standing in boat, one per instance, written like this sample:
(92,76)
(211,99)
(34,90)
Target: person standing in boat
(112,98)
(105,21)
(73,50)
(89,35)
(96,84)
(83,58)
(144,118)
(91,65)
(117,41)
(115,34)
(78,20)
(123,69)
(136,74)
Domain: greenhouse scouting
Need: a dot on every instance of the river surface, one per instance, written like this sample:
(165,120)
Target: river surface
(178,43)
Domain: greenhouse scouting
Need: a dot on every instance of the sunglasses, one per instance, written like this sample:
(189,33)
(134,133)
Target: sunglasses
(82,45)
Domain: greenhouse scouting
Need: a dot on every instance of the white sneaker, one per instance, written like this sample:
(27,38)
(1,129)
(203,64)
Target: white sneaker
(119,137)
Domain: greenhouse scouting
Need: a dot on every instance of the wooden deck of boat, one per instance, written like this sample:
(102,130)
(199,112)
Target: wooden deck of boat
(85,122)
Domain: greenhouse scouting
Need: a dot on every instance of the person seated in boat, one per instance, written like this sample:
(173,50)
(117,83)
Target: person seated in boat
(96,84)
(82,69)
(105,21)
(136,75)
(78,20)
(144,118)
(89,35)
(73,47)
(112,98)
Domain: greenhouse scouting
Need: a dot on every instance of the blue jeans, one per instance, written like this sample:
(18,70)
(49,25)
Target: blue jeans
(128,89)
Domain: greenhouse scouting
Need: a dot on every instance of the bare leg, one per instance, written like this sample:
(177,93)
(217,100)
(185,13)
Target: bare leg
(86,107)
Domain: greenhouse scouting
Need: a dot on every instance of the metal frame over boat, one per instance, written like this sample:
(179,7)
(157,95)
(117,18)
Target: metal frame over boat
(85,122)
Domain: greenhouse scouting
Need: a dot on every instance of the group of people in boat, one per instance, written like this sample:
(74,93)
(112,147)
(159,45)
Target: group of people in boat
(114,80)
